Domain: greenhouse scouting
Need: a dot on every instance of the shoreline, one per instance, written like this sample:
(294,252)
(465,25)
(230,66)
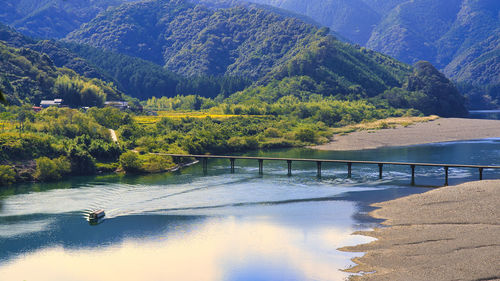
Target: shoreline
(450,233)
(435,131)
(175,168)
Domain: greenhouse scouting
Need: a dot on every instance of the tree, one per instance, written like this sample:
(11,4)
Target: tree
(130,162)
(48,169)
(91,95)
(68,89)
(3,100)
(110,117)
(7,175)
(306,135)
(82,163)
(436,94)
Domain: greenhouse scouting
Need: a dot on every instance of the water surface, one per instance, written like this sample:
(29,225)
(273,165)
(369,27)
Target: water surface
(485,114)
(222,226)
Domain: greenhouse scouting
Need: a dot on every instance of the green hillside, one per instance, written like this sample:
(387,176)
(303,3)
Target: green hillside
(244,42)
(215,53)
(353,19)
(194,40)
(29,76)
(60,56)
(480,63)
(135,77)
(238,41)
(383,6)
(457,36)
(442,32)
(51,18)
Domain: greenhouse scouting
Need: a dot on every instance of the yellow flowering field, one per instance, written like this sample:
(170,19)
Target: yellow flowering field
(166,114)
(7,125)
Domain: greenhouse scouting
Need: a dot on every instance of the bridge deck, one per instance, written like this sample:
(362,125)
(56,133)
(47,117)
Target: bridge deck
(349,163)
(332,161)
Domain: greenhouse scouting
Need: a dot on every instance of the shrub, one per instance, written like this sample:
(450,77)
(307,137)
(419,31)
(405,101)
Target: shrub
(272,133)
(48,169)
(7,175)
(130,162)
(82,163)
(14,146)
(236,143)
(107,167)
(175,149)
(251,142)
(383,125)
(306,135)
(104,151)
(153,163)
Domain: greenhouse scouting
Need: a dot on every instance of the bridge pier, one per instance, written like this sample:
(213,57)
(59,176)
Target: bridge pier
(380,171)
(446,175)
(412,174)
(232,165)
(319,162)
(205,166)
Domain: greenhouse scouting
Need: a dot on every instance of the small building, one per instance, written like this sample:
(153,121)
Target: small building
(117,104)
(36,108)
(48,103)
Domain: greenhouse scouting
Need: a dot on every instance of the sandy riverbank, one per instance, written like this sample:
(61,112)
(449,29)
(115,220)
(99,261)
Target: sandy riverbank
(440,130)
(451,233)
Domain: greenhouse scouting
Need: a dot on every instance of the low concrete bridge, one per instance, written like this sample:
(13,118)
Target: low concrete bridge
(349,163)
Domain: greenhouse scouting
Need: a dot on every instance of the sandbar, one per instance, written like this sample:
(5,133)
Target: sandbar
(450,233)
(439,130)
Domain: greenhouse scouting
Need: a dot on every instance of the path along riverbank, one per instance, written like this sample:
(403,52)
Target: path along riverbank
(451,233)
(439,130)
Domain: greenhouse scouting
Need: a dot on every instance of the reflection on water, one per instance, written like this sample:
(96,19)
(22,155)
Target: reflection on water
(242,226)
(217,249)
(485,114)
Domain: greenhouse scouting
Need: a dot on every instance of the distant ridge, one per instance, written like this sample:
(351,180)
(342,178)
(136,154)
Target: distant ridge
(459,37)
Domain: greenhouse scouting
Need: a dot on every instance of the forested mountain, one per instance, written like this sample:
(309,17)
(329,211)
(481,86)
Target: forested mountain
(436,30)
(194,40)
(217,52)
(244,41)
(383,6)
(460,37)
(51,18)
(239,41)
(29,76)
(60,56)
(135,77)
(352,19)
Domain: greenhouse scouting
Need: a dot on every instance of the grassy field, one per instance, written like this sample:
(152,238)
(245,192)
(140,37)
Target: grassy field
(384,124)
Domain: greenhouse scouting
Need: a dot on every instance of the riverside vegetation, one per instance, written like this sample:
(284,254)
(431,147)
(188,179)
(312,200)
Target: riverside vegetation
(257,78)
(61,141)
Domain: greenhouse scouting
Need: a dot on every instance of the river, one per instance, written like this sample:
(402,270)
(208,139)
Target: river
(222,226)
(485,114)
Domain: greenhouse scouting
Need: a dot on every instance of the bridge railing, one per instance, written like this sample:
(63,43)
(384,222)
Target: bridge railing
(319,162)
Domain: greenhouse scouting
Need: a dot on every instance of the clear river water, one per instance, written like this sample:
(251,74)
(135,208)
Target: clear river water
(222,226)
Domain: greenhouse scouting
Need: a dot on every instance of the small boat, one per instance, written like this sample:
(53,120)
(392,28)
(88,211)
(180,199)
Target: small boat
(96,216)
